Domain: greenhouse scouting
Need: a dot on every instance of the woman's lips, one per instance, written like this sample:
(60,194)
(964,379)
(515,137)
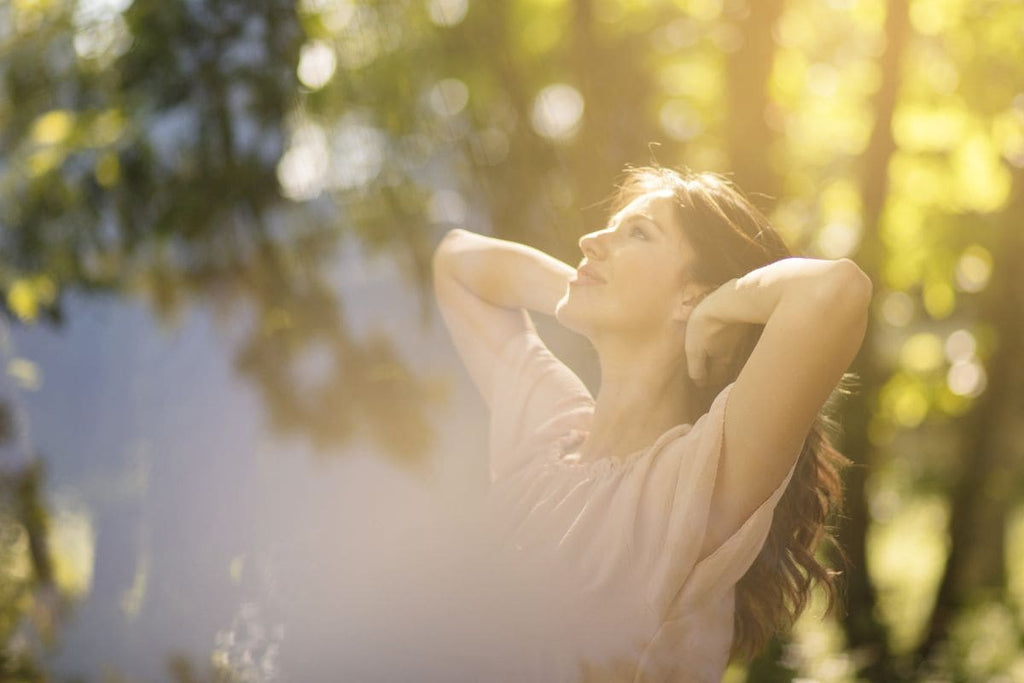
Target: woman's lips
(585,278)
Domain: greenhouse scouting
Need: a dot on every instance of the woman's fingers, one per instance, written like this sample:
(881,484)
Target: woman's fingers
(696,363)
(710,348)
(696,350)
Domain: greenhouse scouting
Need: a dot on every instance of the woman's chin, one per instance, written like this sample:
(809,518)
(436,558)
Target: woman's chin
(571,320)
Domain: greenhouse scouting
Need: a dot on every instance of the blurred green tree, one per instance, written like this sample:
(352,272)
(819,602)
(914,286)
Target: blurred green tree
(142,143)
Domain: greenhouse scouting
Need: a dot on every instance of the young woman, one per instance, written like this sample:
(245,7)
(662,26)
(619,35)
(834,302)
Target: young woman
(688,498)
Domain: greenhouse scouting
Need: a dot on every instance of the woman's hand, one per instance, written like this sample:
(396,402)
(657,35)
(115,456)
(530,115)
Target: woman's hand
(717,323)
(711,339)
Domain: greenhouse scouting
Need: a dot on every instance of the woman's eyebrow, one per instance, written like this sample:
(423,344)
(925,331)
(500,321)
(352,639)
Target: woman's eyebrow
(645,216)
(621,218)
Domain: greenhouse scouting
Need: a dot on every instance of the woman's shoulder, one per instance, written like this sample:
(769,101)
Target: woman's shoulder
(534,389)
(537,402)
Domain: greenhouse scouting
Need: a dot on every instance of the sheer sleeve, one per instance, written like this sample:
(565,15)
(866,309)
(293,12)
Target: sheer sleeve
(680,578)
(534,396)
(523,383)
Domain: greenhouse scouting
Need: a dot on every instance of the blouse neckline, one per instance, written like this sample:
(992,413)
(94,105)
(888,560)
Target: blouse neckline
(562,451)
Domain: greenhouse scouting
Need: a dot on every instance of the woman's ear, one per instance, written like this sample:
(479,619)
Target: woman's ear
(687,301)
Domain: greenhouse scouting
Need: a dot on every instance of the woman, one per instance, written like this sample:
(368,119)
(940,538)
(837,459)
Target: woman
(687,499)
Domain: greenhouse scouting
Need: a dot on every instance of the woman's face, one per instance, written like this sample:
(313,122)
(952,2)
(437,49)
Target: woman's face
(640,259)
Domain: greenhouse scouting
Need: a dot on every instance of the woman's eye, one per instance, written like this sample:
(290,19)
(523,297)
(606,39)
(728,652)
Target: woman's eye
(638,231)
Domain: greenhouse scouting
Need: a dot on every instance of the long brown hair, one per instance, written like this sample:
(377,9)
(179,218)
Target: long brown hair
(731,237)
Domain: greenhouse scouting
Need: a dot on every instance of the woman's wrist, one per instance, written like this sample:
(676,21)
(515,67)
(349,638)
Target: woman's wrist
(753,297)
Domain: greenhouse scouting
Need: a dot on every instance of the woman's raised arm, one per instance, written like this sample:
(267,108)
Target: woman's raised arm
(501,272)
(815,314)
(484,286)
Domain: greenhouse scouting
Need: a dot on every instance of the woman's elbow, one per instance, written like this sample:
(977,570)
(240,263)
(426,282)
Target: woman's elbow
(453,241)
(851,283)
(448,259)
(445,247)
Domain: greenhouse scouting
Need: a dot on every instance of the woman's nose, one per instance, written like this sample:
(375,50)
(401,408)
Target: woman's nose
(592,245)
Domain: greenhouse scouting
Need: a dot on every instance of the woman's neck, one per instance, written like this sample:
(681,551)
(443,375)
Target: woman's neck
(643,393)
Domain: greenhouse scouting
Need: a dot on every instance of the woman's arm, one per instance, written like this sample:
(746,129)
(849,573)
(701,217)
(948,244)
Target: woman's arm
(484,286)
(753,298)
(503,273)
(815,315)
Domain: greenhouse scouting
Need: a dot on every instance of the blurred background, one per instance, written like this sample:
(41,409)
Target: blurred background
(235,440)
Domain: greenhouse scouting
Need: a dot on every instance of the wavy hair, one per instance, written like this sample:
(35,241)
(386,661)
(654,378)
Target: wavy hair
(731,237)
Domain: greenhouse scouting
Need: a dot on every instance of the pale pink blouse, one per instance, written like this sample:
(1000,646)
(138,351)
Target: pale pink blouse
(623,533)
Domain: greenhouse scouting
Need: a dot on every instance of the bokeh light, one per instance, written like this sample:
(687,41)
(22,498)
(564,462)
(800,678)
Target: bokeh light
(838,239)
(557,111)
(679,120)
(921,352)
(356,152)
(960,346)
(897,308)
(303,168)
(974,268)
(448,97)
(966,378)
(317,63)
(447,12)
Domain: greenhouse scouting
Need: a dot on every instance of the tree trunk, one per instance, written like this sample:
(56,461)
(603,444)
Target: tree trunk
(615,88)
(750,138)
(976,564)
(865,634)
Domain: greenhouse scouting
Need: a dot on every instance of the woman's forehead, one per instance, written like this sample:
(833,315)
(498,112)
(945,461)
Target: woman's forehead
(656,205)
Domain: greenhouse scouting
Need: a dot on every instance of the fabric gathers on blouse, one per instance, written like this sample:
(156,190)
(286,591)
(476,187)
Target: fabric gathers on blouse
(619,538)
